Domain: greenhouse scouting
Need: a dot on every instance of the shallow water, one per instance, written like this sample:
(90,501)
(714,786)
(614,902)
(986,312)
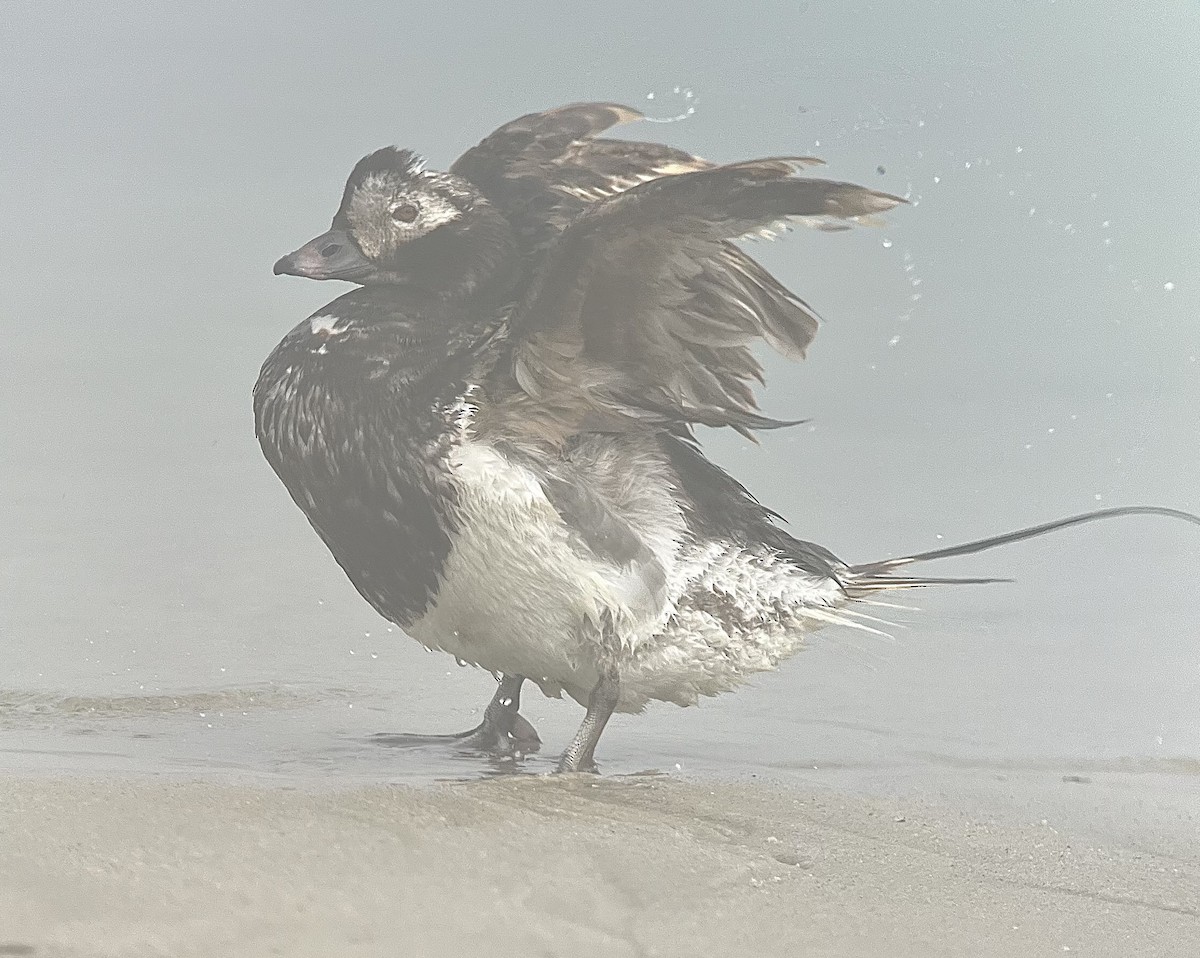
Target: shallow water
(1019,344)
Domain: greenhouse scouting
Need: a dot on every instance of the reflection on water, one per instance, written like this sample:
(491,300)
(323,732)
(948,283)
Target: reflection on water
(305,735)
(14,704)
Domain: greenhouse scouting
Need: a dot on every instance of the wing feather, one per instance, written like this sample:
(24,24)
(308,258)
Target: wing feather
(543,169)
(643,308)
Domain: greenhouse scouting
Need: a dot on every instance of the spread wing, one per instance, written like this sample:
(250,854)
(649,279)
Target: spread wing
(643,310)
(543,169)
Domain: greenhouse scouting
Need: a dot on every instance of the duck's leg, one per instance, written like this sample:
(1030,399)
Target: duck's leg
(503,729)
(580,754)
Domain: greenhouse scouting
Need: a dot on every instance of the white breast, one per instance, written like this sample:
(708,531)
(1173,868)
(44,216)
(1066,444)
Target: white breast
(520,593)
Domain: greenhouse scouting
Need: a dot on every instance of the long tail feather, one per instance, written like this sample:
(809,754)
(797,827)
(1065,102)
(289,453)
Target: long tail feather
(873,577)
(858,587)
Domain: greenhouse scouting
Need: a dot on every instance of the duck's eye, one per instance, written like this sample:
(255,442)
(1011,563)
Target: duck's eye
(404,213)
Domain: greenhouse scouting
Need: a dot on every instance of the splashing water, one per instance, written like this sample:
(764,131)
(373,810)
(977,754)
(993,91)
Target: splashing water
(684,94)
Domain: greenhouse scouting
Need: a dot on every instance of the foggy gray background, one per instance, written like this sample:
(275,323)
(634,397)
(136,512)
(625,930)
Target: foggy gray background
(1020,343)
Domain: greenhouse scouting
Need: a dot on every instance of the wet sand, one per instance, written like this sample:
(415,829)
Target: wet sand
(538,866)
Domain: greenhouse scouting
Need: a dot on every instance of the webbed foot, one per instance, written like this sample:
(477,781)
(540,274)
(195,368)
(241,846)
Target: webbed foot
(503,731)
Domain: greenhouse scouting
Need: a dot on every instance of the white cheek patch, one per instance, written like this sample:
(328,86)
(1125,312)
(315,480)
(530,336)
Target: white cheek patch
(434,211)
(370,215)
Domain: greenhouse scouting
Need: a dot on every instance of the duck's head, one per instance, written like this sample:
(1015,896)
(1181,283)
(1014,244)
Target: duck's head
(403,224)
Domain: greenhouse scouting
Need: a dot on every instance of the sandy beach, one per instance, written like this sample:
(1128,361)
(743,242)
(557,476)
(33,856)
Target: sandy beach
(542,866)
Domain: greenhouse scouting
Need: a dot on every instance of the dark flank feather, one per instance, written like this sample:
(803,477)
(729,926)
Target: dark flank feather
(721,509)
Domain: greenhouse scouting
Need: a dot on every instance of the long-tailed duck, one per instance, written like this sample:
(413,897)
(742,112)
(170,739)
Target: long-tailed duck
(493,434)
